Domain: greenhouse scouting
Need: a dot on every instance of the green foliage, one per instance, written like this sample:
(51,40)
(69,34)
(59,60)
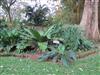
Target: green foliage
(37,15)
(61,48)
(32,34)
(3,23)
(76,40)
(73,40)
(9,38)
(54,31)
(26,37)
(71,35)
(87,44)
(47,55)
(59,54)
(21,45)
(37,37)
(42,46)
(18,24)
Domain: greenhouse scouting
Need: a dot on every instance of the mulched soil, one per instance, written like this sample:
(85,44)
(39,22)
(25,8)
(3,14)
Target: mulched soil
(35,56)
(30,56)
(81,55)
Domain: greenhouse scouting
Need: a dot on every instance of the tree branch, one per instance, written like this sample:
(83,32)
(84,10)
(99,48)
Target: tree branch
(12,2)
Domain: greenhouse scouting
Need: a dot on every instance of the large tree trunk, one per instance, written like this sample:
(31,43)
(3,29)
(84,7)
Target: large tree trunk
(90,19)
(99,16)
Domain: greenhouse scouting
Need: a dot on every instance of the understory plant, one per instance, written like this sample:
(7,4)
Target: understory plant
(72,36)
(69,39)
(59,54)
(3,23)
(37,14)
(75,39)
(37,38)
(9,38)
(11,41)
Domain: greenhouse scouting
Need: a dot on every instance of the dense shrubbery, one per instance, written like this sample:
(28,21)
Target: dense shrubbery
(37,15)
(59,41)
(3,23)
(75,39)
(66,41)
(9,38)
(71,35)
(66,34)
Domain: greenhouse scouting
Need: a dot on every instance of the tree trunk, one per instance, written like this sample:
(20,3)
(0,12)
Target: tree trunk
(10,19)
(99,16)
(90,19)
(58,10)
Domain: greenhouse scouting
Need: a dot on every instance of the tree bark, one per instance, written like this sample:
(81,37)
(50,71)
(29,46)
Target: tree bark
(89,19)
(10,18)
(59,10)
(99,16)
(9,15)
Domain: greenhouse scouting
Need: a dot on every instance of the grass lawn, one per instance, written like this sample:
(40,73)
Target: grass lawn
(17,66)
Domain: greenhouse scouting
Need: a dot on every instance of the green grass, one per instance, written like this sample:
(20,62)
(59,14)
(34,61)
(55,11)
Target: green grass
(16,66)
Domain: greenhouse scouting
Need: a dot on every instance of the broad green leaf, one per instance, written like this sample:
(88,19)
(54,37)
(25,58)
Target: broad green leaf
(64,61)
(42,46)
(61,48)
(36,34)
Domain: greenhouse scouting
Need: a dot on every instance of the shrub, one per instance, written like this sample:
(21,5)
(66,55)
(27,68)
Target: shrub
(71,35)
(9,38)
(72,38)
(37,15)
(54,31)
(75,39)
(38,39)
(3,23)
(59,54)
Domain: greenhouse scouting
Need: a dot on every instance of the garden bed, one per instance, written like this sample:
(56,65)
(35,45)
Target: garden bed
(37,55)
(85,54)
